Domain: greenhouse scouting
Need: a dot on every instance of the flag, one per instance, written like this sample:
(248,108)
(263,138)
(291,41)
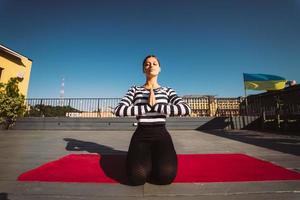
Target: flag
(263,82)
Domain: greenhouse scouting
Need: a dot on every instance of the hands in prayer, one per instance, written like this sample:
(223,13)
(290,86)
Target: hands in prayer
(152,99)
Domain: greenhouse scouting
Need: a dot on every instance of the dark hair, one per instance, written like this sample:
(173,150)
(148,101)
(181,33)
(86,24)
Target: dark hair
(150,56)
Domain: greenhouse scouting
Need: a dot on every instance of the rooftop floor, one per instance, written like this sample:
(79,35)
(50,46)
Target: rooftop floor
(24,150)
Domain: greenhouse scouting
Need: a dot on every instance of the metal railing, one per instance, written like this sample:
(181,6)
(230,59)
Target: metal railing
(103,107)
(201,106)
(278,109)
(71,107)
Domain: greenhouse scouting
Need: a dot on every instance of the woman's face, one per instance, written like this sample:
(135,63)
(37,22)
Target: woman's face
(151,67)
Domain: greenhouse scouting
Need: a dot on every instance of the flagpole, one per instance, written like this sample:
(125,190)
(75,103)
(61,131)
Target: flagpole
(246,101)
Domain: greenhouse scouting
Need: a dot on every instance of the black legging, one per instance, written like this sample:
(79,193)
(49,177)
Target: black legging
(151,156)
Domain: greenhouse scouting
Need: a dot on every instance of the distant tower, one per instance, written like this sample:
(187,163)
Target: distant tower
(62,92)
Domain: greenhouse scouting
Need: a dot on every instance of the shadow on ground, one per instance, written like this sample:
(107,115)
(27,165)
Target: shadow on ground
(3,196)
(113,166)
(283,143)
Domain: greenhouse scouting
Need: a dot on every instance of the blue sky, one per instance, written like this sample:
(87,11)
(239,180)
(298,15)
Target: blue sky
(203,46)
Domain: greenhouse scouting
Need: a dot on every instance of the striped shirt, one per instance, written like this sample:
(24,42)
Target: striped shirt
(135,103)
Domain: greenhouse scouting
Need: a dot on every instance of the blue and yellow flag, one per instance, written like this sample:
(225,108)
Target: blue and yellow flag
(263,82)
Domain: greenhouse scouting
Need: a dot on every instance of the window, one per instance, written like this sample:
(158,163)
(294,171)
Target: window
(1,69)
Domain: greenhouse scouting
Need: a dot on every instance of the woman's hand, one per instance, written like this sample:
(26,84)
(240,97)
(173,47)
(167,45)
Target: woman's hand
(152,99)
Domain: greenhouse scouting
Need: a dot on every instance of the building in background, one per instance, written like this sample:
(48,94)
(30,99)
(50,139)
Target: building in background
(210,105)
(13,64)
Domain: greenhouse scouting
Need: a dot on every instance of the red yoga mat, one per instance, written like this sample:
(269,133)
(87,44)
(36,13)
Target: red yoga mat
(192,168)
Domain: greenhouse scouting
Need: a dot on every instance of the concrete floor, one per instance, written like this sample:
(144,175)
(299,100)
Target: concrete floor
(25,150)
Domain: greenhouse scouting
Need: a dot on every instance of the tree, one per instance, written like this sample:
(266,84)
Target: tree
(40,110)
(11,102)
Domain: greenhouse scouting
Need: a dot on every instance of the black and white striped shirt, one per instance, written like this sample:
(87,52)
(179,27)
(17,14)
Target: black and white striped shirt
(135,103)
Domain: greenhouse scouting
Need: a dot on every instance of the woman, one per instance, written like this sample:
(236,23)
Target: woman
(151,156)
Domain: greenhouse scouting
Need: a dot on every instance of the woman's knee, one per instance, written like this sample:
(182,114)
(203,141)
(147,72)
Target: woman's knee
(137,175)
(137,180)
(165,175)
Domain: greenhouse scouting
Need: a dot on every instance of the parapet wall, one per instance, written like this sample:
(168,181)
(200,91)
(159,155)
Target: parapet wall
(128,123)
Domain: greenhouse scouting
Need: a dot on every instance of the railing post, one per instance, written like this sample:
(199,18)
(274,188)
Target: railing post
(263,118)
(98,109)
(41,104)
(231,121)
(277,113)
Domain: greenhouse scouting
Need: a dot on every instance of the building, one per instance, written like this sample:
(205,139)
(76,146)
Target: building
(209,105)
(201,105)
(13,64)
(90,114)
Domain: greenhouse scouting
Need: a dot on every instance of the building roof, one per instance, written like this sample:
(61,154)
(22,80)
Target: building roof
(197,96)
(12,52)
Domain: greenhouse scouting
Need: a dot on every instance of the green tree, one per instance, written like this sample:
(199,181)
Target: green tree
(11,102)
(41,110)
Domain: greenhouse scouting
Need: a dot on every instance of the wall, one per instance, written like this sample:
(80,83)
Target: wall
(14,66)
(128,123)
